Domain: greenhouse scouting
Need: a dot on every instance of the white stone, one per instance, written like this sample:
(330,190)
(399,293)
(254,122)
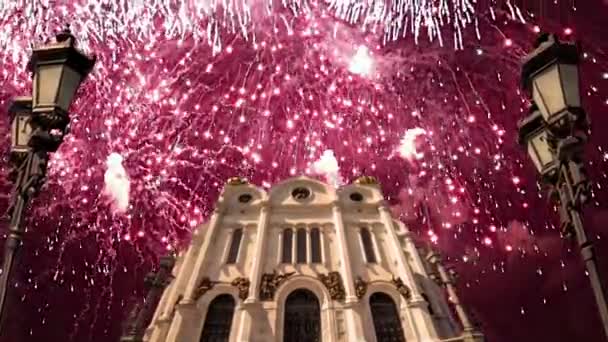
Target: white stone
(180,316)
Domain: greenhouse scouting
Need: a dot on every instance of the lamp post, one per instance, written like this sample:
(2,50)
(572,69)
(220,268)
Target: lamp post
(140,315)
(447,277)
(38,126)
(554,134)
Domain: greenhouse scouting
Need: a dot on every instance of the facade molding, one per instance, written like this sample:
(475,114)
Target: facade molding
(342,282)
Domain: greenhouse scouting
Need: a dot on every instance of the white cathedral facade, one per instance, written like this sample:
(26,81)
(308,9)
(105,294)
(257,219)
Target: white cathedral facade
(306,262)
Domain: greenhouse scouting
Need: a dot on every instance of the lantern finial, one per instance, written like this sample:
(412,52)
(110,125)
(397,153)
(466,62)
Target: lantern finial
(366,180)
(236,181)
(66,35)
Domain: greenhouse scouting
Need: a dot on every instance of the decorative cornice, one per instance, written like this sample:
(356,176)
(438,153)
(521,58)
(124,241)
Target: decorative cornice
(242,284)
(402,288)
(271,282)
(205,285)
(366,180)
(234,181)
(360,287)
(333,283)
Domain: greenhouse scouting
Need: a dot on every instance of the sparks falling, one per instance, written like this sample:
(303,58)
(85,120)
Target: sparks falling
(186,94)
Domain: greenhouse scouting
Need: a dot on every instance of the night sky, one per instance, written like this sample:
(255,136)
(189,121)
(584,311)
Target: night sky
(183,98)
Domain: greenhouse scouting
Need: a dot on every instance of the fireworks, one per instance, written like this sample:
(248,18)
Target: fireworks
(187,94)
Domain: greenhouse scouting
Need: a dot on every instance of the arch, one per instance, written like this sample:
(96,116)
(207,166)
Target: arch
(218,320)
(371,194)
(321,193)
(231,193)
(313,285)
(302,317)
(385,316)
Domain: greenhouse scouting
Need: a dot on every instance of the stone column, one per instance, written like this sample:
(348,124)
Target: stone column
(189,280)
(251,305)
(354,326)
(255,275)
(423,321)
(470,334)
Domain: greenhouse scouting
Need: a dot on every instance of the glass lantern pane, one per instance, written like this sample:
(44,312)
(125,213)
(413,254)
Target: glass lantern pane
(22,131)
(570,84)
(547,92)
(46,84)
(69,84)
(539,151)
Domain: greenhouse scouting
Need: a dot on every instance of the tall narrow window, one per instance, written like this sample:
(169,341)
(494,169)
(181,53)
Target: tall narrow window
(315,245)
(301,246)
(429,305)
(218,319)
(233,253)
(386,318)
(368,246)
(287,246)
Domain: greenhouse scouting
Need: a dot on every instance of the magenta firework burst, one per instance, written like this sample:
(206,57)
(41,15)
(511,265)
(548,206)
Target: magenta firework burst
(185,94)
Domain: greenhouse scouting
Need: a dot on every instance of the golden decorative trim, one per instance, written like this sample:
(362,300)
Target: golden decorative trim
(366,180)
(402,288)
(271,282)
(205,285)
(333,283)
(360,287)
(242,284)
(236,181)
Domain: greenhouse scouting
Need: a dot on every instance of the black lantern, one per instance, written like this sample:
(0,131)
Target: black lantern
(58,70)
(550,75)
(20,112)
(534,134)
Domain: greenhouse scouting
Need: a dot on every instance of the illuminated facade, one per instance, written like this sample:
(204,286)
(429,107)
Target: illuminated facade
(304,262)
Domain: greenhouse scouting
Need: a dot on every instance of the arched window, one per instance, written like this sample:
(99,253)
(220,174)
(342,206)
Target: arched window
(218,319)
(233,252)
(302,319)
(368,246)
(286,257)
(386,318)
(315,245)
(301,246)
(429,305)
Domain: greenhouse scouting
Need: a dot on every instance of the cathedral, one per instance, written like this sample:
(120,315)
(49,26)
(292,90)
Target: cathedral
(307,262)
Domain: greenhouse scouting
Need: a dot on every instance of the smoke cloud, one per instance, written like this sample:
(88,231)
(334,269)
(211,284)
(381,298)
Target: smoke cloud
(116,182)
(407,147)
(327,165)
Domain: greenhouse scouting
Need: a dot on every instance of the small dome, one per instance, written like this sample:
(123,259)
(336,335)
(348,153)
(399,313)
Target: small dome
(236,181)
(366,180)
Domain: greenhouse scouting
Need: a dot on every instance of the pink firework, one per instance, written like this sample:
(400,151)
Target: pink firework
(187,94)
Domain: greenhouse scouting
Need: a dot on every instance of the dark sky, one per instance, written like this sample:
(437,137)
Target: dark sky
(568,315)
(509,306)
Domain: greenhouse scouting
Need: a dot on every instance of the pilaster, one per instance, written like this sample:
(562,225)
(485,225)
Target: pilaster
(422,319)
(255,276)
(354,325)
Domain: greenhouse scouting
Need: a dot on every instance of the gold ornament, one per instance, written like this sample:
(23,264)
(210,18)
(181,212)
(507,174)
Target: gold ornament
(236,181)
(366,180)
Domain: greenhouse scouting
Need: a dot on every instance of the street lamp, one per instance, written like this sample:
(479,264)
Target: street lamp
(21,124)
(446,277)
(38,126)
(550,76)
(554,134)
(532,133)
(141,314)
